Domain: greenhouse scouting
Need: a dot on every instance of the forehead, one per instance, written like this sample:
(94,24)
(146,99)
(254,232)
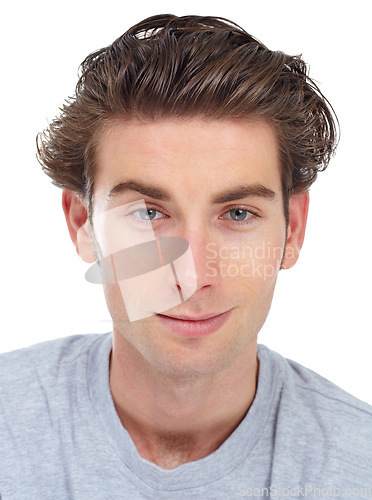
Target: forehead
(188,154)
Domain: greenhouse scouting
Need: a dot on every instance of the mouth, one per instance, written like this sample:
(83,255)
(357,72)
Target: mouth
(194,326)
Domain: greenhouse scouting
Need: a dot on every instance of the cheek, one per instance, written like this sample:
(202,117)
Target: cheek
(115,304)
(254,266)
(266,261)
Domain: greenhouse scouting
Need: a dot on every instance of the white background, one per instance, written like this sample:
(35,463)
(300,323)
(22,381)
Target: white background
(321,312)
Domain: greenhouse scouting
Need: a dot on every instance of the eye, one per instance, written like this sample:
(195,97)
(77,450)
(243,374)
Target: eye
(146,214)
(239,214)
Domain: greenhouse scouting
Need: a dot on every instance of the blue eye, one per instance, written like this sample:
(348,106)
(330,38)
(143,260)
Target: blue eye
(146,214)
(239,214)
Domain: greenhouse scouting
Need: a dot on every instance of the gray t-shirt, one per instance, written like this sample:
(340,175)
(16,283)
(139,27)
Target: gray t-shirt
(61,438)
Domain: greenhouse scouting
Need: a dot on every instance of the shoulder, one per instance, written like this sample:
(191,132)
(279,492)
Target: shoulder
(42,364)
(61,349)
(42,391)
(302,384)
(317,415)
(43,380)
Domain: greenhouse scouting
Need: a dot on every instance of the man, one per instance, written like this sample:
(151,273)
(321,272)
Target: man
(185,157)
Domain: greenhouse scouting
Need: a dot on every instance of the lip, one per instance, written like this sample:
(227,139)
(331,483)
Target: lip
(194,327)
(193,318)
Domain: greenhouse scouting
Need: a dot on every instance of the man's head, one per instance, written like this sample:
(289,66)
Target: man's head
(216,184)
(220,138)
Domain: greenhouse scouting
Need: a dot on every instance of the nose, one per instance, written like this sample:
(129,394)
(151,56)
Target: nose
(196,273)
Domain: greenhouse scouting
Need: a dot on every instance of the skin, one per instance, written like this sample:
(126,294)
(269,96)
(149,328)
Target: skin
(180,398)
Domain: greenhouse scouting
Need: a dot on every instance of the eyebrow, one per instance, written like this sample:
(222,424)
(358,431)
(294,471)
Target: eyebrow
(157,193)
(243,192)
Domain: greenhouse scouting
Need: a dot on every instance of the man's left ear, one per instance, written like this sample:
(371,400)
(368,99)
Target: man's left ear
(76,215)
(298,209)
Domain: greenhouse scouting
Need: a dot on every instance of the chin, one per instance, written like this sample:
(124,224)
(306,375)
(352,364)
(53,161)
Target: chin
(193,357)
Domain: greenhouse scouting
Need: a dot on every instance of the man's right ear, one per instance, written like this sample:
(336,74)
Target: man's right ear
(76,214)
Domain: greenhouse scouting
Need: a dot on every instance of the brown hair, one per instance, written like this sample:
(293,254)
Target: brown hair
(171,67)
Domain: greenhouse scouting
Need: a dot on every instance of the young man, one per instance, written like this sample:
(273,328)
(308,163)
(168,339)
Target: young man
(185,158)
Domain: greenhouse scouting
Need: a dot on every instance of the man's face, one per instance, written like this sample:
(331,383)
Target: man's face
(224,196)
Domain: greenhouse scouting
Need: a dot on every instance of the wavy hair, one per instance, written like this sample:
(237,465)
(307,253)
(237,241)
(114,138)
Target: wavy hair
(168,67)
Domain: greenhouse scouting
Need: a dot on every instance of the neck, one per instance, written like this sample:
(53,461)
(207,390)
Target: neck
(181,418)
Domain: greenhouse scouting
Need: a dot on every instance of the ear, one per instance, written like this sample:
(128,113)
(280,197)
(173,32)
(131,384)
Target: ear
(77,220)
(298,209)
